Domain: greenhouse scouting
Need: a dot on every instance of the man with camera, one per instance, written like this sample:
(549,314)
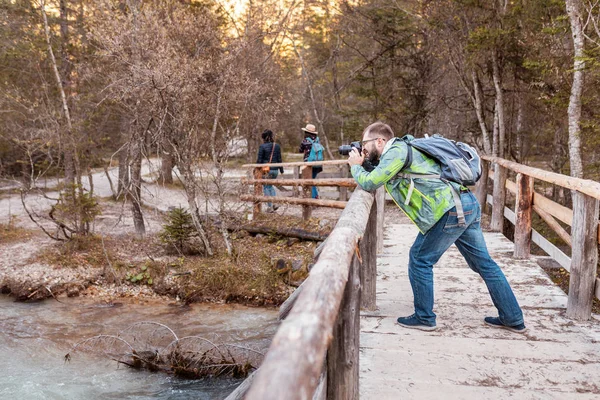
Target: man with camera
(430,204)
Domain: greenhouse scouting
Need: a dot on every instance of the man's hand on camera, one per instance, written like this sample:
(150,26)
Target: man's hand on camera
(355,158)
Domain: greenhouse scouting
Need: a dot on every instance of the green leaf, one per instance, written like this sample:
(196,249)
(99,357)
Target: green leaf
(150,281)
(144,268)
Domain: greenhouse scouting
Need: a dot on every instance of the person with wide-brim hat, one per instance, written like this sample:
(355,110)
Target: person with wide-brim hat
(311,136)
(310,128)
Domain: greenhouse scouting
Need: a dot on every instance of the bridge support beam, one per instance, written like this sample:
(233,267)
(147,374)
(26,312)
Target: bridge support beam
(306,192)
(584,260)
(482,185)
(523,208)
(368,254)
(343,353)
(500,175)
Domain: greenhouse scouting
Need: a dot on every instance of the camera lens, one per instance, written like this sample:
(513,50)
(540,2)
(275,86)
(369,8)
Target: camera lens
(345,149)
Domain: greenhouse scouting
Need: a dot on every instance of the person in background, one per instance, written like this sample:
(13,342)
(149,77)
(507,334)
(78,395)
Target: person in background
(269,152)
(310,138)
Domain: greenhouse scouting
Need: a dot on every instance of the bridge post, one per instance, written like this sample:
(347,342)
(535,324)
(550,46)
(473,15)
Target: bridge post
(482,186)
(368,252)
(343,190)
(523,208)
(257,192)
(295,191)
(343,352)
(306,192)
(500,175)
(380,202)
(584,260)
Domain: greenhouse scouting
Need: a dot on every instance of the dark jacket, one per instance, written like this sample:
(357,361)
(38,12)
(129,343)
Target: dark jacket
(264,154)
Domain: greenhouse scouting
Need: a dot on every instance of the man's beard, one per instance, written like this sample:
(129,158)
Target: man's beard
(371,161)
(372,157)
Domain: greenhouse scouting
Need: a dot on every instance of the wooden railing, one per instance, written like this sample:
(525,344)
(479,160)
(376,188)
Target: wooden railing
(584,237)
(314,354)
(302,177)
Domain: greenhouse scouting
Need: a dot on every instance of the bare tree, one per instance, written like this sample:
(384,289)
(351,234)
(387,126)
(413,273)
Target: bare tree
(574,10)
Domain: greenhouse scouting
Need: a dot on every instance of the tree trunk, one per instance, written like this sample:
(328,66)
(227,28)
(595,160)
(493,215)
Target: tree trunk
(574,8)
(136,186)
(519,128)
(195,212)
(166,168)
(123,174)
(495,136)
(497,76)
(479,110)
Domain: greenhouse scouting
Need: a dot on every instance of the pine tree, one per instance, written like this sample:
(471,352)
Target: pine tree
(179,228)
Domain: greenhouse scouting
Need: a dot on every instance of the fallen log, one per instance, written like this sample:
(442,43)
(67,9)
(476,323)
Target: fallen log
(289,232)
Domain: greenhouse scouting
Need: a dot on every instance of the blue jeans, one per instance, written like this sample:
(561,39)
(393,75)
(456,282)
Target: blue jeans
(428,249)
(269,190)
(315,192)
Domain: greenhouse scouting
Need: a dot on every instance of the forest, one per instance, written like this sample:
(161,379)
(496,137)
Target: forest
(88,86)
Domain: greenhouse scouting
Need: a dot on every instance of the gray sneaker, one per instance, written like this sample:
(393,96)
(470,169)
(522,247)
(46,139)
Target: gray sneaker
(413,323)
(496,323)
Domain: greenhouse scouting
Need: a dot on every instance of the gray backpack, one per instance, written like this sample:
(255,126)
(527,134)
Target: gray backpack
(458,161)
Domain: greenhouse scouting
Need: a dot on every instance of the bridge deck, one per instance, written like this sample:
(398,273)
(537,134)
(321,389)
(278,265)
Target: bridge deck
(465,359)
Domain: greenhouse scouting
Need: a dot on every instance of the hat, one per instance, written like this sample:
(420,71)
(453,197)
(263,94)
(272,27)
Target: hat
(310,128)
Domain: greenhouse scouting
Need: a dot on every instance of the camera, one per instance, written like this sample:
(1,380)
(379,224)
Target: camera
(345,149)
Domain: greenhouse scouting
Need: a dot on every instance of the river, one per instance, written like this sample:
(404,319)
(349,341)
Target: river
(34,338)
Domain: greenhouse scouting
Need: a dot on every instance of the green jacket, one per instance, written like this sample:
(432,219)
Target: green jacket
(430,198)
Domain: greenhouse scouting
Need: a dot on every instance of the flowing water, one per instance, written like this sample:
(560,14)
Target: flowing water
(34,338)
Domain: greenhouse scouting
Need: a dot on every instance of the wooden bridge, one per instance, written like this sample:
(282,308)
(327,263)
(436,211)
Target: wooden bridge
(340,340)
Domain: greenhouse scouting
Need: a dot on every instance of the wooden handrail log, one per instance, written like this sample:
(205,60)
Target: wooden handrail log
(342,182)
(292,366)
(297,164)
(586,186)
(294,200)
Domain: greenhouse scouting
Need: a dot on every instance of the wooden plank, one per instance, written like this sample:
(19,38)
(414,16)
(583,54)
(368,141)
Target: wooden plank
(547,246)
(555,226)
(292,366)
(298,164)
(306,193)
(523,208)
(343,353)
(558,211)
(550,249)
(500,175)
(585,186)
(584,258)
(368,268)
(347,182)
(298,201)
